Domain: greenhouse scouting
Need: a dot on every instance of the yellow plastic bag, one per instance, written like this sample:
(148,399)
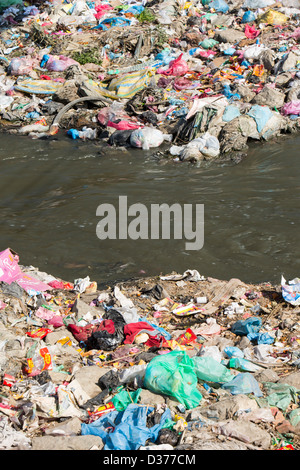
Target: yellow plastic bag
(273,17)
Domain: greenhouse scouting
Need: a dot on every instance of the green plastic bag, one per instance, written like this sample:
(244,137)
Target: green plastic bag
(173,374)
(294,417)
(280,395)
(208,43)
(210,370)
(9,3)
(125,398)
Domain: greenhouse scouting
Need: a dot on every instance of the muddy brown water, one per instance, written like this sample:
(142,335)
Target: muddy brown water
(50,191)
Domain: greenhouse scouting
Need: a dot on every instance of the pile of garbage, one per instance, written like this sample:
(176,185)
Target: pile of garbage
(202,79)
(179,362)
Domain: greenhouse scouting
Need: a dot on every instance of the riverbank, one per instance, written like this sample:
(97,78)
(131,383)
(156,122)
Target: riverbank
(205,79)
(214,363)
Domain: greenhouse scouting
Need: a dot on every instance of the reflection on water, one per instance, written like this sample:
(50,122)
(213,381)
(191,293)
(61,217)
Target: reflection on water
(50,191)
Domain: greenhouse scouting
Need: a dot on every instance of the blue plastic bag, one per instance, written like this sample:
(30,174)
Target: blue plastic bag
(111,22)
(228,93)
(230,113)
(245,327)
(243,383)
(219,5)
(261,338)
(232,351)
(248,17)
(261,115)
(125,430)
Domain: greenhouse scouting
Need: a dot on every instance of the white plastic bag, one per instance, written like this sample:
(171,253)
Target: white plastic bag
(148,137)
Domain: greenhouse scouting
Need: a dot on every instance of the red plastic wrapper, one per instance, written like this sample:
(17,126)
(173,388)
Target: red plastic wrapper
(102,410)
(9,380)
(186,338)
(40,333)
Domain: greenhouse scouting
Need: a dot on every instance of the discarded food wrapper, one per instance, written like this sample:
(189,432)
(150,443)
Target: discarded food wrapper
(185,310)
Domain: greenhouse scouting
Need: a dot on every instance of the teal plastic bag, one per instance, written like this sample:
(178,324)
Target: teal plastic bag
(125,398)
(173,374)
(208,43)
(9,3)
(210,370)
(242,365)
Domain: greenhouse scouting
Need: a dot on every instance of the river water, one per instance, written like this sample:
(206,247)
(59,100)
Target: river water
(50,191)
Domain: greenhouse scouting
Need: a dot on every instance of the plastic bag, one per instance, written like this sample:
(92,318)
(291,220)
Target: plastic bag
(21,66)
(273,17)
(5,101)
(177,67)
(125,430)
(208,43)
(56,63)
(208,145)
(254,51)
(230,113)
(148,137)
(244,327)
(108,23)
(251,32)
(292,107)
(125,398)
(173,375)
(261,115)
(210,370)
(219,5)
(233,351)
(261,338)
(8,3)
(255,4)
(243,383)
(243,365)
(280,394)
(248,17)
(41,360)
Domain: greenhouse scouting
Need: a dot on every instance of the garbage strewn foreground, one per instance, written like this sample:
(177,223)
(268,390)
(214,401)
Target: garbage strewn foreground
(178,362)
(205,78)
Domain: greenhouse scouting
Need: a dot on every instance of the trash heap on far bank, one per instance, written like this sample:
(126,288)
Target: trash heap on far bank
(199,79)
(182,362)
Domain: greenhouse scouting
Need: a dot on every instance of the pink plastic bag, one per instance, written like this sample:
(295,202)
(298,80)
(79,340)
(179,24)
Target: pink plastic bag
(11,272)
(251,32)
(123,125)
(21,66)
(177,67)
(59,64)
(292,107)
(101,10)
